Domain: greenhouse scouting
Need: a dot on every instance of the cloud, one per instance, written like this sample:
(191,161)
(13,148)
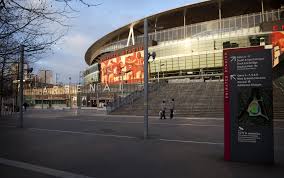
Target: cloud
(75,44)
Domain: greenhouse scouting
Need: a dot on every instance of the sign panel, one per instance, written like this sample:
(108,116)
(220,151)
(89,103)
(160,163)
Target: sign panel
(248,105)
(126,68)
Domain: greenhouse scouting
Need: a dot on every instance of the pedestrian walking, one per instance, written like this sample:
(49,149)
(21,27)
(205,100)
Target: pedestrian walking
(163,110)
(25,106)
(172,108)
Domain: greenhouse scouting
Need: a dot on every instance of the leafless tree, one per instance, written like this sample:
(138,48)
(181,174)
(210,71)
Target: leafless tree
(36,24)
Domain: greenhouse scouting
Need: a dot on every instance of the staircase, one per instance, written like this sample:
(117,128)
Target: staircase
(278,99)
(198,99)
(202,99)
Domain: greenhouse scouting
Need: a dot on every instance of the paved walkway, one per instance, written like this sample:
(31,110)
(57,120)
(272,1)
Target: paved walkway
(64,144)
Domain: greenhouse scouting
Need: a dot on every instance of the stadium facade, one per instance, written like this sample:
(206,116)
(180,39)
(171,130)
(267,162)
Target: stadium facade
(188,42)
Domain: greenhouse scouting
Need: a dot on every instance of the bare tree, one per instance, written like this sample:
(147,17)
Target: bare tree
(36,24)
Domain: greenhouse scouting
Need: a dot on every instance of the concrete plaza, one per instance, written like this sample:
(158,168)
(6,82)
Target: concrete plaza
(86,144)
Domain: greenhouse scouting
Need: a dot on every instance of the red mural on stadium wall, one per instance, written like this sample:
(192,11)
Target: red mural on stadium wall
(128,68)
(277,40)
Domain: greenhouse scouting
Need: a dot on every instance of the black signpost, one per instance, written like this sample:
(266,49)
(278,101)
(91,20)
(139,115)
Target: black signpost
(248,105)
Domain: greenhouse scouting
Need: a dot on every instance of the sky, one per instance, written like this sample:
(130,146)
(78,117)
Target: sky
(91,24)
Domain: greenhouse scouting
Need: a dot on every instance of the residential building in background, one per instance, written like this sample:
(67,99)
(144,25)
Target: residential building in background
(45,76)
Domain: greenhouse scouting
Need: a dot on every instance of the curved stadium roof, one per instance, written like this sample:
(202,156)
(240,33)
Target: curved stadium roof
(195,13)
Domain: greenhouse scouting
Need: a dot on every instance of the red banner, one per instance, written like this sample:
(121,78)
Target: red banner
(277,40)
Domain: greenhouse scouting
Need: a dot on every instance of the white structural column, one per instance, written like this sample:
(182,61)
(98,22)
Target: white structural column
(184,23)
(220,16)
(155,37)
(131,36)
(262,10)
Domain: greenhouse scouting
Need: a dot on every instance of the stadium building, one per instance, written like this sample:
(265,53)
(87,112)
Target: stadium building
(188,42)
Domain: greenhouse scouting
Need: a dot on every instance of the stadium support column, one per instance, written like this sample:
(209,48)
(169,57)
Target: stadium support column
(145,78)
(184,23)
(262,11)
(220,17)
(131,35)
(156,20)
(21,86)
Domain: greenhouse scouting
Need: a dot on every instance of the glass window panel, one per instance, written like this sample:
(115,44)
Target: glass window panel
(203,27)
(196,62)
(174,34)
(202,59)
(198,28)
(158,66)
(170,33)
(169,64)
(257,18)
(163,65)
(269,17)
(232,23)
(181,33)
(275,15)
(215,26)
(181,63)
(158,36)
(152,67)
(251,21)
(244,22)
(281,14)
(210,60)
(193,30)
(188,62)
(175,64)
(226,24)
(188,31)
(162,36)
(151,37)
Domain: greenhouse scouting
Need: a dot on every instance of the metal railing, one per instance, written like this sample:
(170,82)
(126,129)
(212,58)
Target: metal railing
(130,98)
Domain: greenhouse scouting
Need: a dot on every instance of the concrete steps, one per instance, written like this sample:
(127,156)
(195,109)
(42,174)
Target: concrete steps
(194,100)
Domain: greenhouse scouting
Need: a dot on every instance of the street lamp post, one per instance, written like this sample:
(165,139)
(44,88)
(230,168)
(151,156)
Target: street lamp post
(21,86)
(70,92)
(145,78)
(79,90)
(42,88)
(146,58)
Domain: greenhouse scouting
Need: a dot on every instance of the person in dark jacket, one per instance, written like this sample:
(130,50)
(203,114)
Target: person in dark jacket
(25,106)
(172,107)
(163,110)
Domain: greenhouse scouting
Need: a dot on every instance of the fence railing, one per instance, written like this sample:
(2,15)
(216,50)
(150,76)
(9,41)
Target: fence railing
(130,98)
(8,107)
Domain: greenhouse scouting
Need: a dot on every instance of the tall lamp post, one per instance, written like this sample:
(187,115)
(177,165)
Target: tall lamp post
(70,92)
(146,58)
(145,78)
(42,88)
(79,90)
(21,85)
